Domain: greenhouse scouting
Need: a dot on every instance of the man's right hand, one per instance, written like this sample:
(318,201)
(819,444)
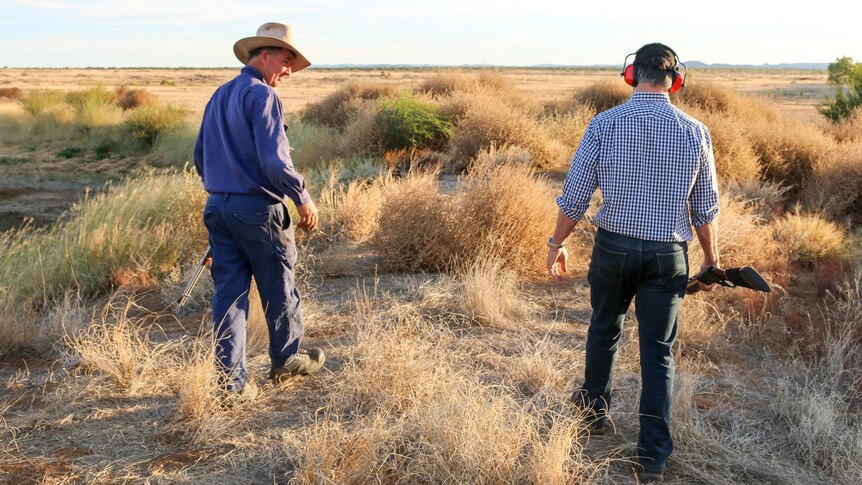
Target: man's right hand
(307,215)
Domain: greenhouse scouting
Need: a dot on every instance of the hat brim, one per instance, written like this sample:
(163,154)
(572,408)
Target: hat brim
(243,48)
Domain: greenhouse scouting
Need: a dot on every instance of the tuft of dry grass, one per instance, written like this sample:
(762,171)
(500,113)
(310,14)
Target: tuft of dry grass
(120,348)
(849,129)
(352,210)
(490,293)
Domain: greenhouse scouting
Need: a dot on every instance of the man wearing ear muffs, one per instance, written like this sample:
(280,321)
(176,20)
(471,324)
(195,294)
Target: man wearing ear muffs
(655,168)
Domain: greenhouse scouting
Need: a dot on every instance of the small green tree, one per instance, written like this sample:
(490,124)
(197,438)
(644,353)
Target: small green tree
(846,76)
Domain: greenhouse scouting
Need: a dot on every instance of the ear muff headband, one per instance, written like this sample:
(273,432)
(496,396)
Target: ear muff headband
(629,72)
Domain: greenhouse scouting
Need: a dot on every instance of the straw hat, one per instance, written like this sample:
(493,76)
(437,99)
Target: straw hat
(270,34)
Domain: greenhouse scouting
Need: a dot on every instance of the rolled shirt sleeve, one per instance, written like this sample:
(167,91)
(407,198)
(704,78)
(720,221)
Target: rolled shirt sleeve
(582,179)
(704,200)
(272,146)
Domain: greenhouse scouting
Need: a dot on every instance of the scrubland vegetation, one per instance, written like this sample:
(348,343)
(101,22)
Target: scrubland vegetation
(451,358)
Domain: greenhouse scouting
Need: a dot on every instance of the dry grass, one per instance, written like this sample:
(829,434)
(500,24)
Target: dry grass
(490,293)
(811,240)
(486,123)
(124,350)
(135,232)
(602,95)
(135,98)
(427,229)
(735,158)
(417,225)
(336,109)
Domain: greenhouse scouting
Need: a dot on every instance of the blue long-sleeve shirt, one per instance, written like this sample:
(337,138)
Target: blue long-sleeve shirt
(655,168)
(242,148)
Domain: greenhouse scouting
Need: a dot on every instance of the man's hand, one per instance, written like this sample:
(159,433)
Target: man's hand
(703,286)
(557,262)
(307,215)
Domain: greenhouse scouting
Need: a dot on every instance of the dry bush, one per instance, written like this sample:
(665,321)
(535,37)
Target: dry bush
(788,151)
(135,98)
(337,108)
(811,240)
(352,210)
(313,145)
(446,82)
(10,93)
(500,210)
(715,98)
(506,211)
(735,158)
(490,293)
(766,198)
(835,187)
(487,122)
(603,95)
(848,129)
(417,225)
(568,128)
(361,134)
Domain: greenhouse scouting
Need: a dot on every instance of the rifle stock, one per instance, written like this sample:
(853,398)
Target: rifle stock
(199,269)
(744,276)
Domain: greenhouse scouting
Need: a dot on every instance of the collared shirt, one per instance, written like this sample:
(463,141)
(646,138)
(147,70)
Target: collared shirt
(654,166)
(242,147)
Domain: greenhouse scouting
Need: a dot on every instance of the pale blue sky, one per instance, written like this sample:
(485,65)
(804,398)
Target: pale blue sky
(198,33)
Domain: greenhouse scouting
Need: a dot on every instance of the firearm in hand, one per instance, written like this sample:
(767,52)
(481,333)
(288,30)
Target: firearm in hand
(745,276)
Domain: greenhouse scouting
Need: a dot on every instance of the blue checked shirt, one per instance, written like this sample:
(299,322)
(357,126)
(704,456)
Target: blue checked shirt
(654,166)
(242,148)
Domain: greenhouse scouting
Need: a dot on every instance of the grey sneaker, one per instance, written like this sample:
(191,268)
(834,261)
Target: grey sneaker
(304,362)
(235,398)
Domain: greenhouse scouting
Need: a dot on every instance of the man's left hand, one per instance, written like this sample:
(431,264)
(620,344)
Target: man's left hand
(557,263)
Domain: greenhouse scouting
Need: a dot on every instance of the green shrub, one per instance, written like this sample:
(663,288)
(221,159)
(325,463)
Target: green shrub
(407,122)
(70,152)
(846,76)
(147,123)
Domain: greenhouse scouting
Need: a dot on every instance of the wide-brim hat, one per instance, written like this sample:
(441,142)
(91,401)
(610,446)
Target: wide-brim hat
(270,34)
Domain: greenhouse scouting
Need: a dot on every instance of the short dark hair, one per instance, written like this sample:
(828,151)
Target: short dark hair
(272,51)
(654,76)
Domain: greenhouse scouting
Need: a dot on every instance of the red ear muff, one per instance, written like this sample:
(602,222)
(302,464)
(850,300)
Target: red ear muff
(630,76)
(677,82)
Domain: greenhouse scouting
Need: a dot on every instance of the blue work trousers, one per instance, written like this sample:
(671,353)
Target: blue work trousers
(251,235)
(654,274)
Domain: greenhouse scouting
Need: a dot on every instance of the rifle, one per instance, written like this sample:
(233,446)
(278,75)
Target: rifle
(187,293)
(745,276)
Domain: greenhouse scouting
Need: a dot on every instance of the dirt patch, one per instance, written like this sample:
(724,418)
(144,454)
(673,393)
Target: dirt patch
(41,203)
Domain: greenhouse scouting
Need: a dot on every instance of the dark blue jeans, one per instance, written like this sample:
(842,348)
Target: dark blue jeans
(654,274)
(252,235)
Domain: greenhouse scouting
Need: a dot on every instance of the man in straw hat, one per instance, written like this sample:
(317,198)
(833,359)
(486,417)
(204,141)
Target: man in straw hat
(243,156)
(654,166)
